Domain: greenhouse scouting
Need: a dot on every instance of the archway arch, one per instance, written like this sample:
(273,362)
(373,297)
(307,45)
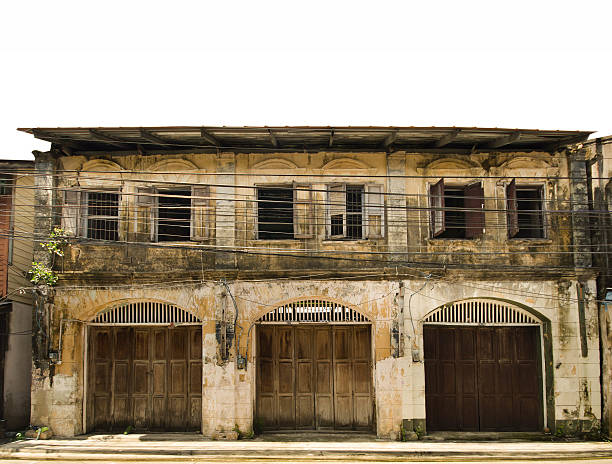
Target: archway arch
(144,312)
(484,311)
(314,310)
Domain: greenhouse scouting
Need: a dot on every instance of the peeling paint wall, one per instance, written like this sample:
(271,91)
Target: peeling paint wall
(399,382)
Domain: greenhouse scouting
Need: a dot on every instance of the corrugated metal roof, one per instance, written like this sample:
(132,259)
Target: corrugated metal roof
(300,138)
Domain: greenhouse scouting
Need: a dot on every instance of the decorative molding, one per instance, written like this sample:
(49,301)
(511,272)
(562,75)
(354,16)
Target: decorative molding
(100,165)
(451,163)
(525,162)
(345,164)
(275,164)
(173,165)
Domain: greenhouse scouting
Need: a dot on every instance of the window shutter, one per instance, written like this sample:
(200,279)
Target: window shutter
(71,212)
(474,215)
(374,211)
(202,221)
(436,202)
(303,211)
(512,209)
(336,209)
(145,215)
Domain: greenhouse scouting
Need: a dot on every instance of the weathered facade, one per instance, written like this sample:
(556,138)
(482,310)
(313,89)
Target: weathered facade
(316,278)
(16,212)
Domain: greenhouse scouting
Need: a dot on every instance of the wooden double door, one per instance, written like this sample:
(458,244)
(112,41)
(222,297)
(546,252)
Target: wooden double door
(146,377)
(483,378)
(314,377)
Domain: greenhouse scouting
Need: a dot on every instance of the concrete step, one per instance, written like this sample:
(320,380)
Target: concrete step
(294,447)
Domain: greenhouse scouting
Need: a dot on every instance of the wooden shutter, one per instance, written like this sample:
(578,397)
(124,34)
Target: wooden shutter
(436,202)
(336,210)
(303,211)
(71,212)
(512,209)
(201,213)
(374,211)
(473,196)
(146,203)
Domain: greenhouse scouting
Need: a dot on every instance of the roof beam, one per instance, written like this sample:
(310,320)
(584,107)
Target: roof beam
(390,139)
(448,138)
(273,138)
(145,134)
(208,137)
(112,140)
(504,140)
(564,142)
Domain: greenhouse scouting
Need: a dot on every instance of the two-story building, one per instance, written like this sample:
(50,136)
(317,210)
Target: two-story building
(316,278)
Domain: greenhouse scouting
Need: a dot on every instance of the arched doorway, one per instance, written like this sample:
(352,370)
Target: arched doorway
(483,367)
(314,367)
(144,368)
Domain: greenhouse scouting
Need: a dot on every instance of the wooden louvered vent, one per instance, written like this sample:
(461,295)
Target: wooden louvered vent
(145,312)
(313,311)
(480,312)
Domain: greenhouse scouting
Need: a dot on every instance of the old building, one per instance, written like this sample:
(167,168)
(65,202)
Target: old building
(316,278)
(16,226)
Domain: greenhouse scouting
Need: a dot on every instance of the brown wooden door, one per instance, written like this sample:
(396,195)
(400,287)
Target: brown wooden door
(482,378)
(149,378)
(314,377)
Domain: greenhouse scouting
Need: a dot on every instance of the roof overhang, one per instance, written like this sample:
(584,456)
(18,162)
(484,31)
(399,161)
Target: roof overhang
(74,140)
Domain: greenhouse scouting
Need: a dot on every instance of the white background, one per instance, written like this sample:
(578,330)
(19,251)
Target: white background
(526,64)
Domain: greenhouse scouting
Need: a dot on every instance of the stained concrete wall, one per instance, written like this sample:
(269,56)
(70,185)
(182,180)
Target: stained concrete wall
(399,382)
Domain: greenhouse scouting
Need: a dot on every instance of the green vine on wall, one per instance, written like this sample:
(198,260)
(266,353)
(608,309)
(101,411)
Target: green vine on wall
(40,273)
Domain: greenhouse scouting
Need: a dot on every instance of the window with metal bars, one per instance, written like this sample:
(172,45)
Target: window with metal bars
(101,215)
(174,215)
(275,213)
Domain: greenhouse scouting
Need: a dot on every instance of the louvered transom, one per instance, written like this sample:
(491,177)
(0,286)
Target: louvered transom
(145,313)
(313,311)
(480,312)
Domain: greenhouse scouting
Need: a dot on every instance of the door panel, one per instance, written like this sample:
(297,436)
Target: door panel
(324,391)
(146,377)
(319,377)
(482,378)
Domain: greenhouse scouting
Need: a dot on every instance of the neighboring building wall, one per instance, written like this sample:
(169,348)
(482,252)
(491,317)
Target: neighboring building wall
(18,370)
(457,271)
(16,260)
(20,259)
(600,156)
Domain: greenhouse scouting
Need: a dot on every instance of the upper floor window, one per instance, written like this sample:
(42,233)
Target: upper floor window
(285,212)
(174,214)
(355,211)
(91,214)
(275,212)
(457,211)
(525,211)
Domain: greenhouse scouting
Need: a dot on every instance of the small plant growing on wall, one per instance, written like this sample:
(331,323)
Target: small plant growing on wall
(40,273)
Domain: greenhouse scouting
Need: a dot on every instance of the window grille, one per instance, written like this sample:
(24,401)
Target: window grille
(480,312)
(314,311)
(145,312)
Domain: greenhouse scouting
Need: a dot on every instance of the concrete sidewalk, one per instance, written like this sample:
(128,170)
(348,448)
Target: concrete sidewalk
(327,447)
